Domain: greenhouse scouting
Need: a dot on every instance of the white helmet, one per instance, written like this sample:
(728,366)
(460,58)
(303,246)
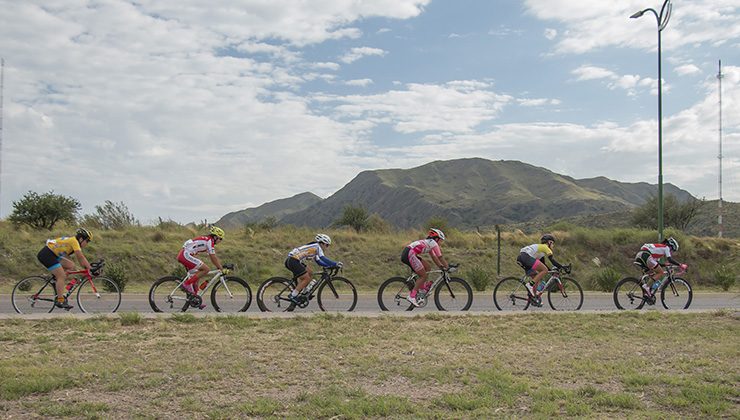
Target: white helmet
(435,233)
(672,244)
(323,239)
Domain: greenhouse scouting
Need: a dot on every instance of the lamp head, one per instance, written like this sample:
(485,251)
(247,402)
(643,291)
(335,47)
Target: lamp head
(637,14)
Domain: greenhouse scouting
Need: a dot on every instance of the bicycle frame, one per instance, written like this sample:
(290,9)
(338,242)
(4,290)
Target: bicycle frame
(647,278)
(443,276)
(72,276)
(218,276)
(326,275)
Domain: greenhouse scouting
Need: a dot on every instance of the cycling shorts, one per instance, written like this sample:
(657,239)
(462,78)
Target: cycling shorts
(646,259)
(412,260)
(188,260)
(528,263)
(49,259)
(295,266)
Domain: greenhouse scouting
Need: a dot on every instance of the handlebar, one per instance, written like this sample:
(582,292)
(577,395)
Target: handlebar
(566,269)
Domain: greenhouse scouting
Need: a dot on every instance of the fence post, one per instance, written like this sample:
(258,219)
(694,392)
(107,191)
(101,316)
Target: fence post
(498,250)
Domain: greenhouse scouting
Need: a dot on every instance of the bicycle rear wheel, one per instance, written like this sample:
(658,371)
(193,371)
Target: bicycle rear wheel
(566,295)
(33,295)
(628,294)
(392,295)
(106,298)
(165,295)
(274,295)
(231,294)
(511,295)
(456,295)
(337,295)
(676,294)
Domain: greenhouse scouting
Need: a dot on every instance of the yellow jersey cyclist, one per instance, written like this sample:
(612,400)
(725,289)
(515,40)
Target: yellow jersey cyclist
(302,272)
(54,256)
(532,260)
(195,267)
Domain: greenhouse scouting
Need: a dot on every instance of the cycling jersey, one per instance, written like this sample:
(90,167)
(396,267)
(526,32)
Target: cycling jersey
(64,246)
(425,246)
(537,251)
(657,251)
(198,245)
(312,251)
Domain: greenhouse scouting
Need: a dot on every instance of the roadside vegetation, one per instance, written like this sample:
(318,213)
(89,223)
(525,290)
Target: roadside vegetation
(141,254)
(637,365)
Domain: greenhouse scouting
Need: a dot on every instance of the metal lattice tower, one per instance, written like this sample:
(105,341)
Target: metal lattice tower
(719,156)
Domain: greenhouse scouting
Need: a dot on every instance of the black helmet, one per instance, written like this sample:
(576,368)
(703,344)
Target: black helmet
(546,238)
(84,234)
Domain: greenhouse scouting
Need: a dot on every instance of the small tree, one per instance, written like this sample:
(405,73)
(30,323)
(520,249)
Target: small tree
(437,222)
(675,213)
(354,217)
(45,210)
(111,216)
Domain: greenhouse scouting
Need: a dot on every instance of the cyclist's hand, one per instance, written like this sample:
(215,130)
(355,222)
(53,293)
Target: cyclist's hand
(225,271)
(566,269)
(339,264)
(684,267)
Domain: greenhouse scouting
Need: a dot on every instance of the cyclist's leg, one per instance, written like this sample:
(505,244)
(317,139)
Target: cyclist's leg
(301,272)
(541,270)
(193,266)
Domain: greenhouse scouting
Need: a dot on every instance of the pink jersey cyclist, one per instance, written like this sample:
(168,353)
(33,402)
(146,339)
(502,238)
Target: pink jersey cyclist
(410,257)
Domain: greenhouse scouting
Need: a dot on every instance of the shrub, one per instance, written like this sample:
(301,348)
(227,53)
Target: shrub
(112,216)
(158,236)
(606,278)
(45,210)
(375,223)
(354,217)
(130,318)
(479,277)
(725,277)
(437,222)
(117,273)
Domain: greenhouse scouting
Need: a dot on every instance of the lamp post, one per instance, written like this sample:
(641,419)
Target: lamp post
(662,20)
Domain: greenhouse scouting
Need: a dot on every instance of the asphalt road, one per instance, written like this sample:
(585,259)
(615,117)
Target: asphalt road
(482,302)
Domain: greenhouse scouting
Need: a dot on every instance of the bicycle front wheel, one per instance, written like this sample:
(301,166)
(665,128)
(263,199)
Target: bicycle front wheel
(455,295)
(165,295)
(566,295)
(337,295)
(100,295)
(231,294)
(33,295)
(392,295)
(274,295)
(676,294)
(628,294)
(511,295)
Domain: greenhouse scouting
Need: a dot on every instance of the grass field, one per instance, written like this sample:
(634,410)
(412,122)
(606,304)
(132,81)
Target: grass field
(647,364)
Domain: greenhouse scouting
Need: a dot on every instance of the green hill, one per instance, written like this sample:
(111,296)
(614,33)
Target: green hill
(276,209)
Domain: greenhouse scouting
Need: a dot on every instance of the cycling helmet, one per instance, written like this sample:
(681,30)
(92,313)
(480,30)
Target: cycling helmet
(435,234)
(84,234)
(546,238)
(217,232)
(322,239)
(672,244)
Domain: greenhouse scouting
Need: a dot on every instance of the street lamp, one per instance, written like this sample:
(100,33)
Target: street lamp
(662,19)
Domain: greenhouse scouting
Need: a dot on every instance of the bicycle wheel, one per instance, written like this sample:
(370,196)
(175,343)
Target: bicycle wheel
(33,295)
(566,295)
(337,295)
(165,295)
(511,295)
(392,295)
(455,295)
(628,294)
(273,295)
(106,298)
(676,294)
(231,294)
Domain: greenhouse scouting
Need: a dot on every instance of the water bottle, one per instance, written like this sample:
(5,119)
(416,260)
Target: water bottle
(71,284)
(656,285)
(310,286)
(541,286)
(203,285)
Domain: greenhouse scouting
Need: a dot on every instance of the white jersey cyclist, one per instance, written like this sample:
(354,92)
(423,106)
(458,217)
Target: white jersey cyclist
(311,251)
(195,246)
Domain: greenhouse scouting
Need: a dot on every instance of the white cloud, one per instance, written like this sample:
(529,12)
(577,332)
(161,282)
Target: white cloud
(551,33)
(357,53)
(687,69)
(359,82)
(627,82)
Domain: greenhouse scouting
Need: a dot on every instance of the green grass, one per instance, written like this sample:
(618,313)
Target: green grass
(537,365)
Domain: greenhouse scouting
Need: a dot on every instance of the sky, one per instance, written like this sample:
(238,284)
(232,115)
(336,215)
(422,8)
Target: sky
(187,110)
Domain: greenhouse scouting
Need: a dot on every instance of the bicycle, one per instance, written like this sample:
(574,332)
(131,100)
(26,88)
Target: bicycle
(333,293)
(563,293)
(95,294)
(450,293)
(675,292)
(229,293)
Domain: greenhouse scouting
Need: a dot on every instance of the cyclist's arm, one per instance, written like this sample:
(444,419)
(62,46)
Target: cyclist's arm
(215,261)
(83,261)
(325,262)
(440,261)
(672,261)
(555,263)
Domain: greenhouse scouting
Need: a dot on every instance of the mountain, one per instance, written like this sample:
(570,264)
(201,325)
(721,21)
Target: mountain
(477,192)
(277,209)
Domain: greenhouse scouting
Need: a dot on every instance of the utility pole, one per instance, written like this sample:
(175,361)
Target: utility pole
(2,86)
(719,218)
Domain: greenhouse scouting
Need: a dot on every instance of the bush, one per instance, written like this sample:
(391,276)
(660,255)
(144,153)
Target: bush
(479,277)
(354,217)
(437,222)
(117,273)
(605,279)
(130,318)
(45,210)
(112,216)
(725,277)
(158,236)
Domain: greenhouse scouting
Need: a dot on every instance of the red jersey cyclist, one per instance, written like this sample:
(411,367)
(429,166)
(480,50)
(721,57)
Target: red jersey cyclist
(532,260)
(650,255)
(302,272)
(197,268)
(54,256)
(411,256)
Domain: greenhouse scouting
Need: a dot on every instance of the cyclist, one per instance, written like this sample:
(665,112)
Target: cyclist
(411,256)
(302,272)
(54,256)
(650,255)
(197,268)
(532,260)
